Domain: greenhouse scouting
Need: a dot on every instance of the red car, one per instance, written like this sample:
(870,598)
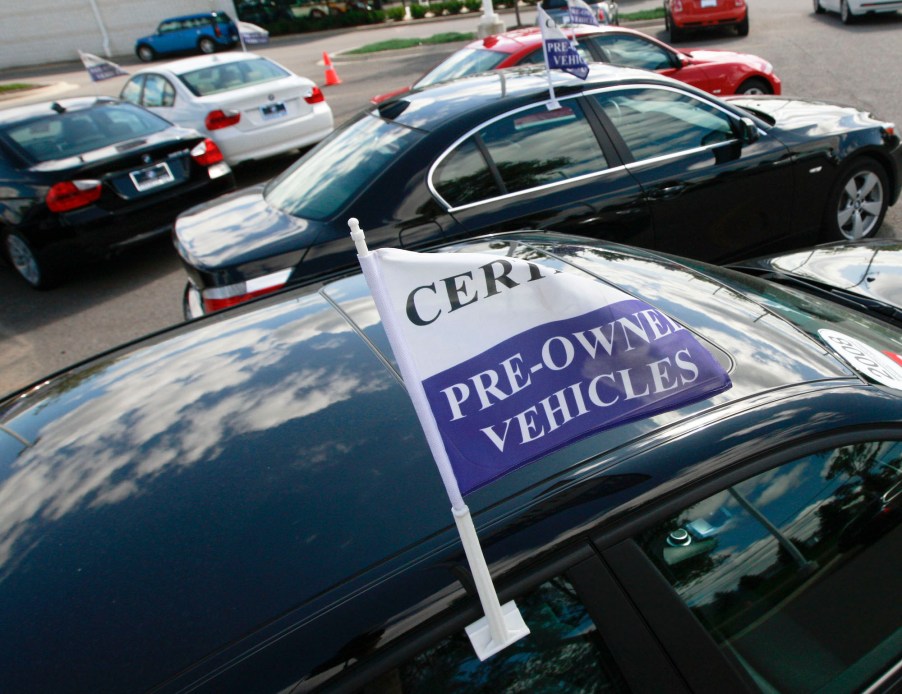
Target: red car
(715,71)
(681,16)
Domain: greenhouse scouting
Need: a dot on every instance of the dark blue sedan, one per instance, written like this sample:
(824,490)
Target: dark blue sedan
(628,156)
(247,503)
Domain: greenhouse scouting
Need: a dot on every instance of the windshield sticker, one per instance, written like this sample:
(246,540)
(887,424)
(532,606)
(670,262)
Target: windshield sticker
(884,367)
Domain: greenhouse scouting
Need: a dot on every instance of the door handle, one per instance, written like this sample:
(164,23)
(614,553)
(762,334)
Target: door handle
(667,191)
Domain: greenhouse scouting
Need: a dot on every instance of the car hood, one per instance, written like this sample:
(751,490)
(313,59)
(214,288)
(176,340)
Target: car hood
(871,268)
(239,228)
(804,115)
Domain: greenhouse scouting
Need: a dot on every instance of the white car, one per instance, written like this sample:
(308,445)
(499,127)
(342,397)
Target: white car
(251,106)
(850,9)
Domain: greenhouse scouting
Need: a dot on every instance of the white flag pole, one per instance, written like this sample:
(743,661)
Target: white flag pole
(553,103)
(502,625)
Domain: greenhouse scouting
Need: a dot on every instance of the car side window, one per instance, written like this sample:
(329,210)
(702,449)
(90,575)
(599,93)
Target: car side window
(796,571)
(158,92)
(169,26)
(563,652)
(660,122)
(633,51)
(526,149)
(132,89)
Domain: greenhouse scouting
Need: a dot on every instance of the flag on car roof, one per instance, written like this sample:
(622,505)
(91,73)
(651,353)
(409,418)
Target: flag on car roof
(581,13)
(100,68)
(507,359)
(516,359)
(559,51)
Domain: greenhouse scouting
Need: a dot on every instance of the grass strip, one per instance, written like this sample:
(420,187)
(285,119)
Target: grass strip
(396,44)
(16,87)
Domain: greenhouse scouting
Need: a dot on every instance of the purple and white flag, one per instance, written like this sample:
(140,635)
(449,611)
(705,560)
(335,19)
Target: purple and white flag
(581,13)
(559,51)
(516,359)
(100,68)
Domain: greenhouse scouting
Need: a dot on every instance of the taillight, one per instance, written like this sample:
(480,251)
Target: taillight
(315,95)
(207,153)
(218,298)
(219,119)
(601,16)
(70,195)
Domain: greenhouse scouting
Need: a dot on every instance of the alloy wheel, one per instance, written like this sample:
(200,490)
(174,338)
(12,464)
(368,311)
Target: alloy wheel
(860,205)
(23,260)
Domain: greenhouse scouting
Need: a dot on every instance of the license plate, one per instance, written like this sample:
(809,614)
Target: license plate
(154,176)
(709,3)
(270,111)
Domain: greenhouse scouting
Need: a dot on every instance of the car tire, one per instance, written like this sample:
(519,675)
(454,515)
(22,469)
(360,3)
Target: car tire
(742,29)
(145,53)
(676,34)
(817,7)
(27,263)
(754,85)
(206,45)
(858,202)
(845,13)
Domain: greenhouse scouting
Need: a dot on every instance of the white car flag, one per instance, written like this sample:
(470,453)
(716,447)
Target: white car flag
(581,13)
(559,51)
(100,68)
(506,360)
(517,360)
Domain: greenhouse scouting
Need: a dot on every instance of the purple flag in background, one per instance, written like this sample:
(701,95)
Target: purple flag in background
(516,359)
(581,13)
(559,51)
(100,68)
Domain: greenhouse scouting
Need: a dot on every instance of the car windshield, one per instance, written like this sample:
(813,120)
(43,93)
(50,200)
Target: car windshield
(223,77)
(322,182)
(467,61)
(70,133)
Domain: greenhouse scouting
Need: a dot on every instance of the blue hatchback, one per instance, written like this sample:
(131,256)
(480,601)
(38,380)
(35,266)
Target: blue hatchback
(206,32)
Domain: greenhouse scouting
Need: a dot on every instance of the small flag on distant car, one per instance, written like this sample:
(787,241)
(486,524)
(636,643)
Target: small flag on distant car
(581,13)
(100,68)
(559,51)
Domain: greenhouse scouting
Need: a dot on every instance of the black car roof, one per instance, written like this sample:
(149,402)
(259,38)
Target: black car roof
(429,107)
(256,469)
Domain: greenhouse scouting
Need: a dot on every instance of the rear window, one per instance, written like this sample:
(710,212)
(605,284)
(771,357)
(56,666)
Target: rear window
(227,76)
(322,182)
(68,134)
(467,61)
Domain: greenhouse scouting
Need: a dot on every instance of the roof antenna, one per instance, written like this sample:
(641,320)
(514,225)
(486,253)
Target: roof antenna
(57,107)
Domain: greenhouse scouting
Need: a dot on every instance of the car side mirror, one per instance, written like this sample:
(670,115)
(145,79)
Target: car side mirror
(748,131)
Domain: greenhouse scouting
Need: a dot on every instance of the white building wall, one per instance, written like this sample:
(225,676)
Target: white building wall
(34,32)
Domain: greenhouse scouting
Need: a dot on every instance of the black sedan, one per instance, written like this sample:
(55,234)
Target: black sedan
(90,174)
(627,155)
(247,503)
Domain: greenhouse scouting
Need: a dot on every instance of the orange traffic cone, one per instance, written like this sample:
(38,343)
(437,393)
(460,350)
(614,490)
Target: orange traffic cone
(331,76)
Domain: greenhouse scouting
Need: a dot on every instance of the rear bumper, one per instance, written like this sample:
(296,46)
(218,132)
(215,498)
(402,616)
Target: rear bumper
(94,229)
(709,19)
(276,138)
